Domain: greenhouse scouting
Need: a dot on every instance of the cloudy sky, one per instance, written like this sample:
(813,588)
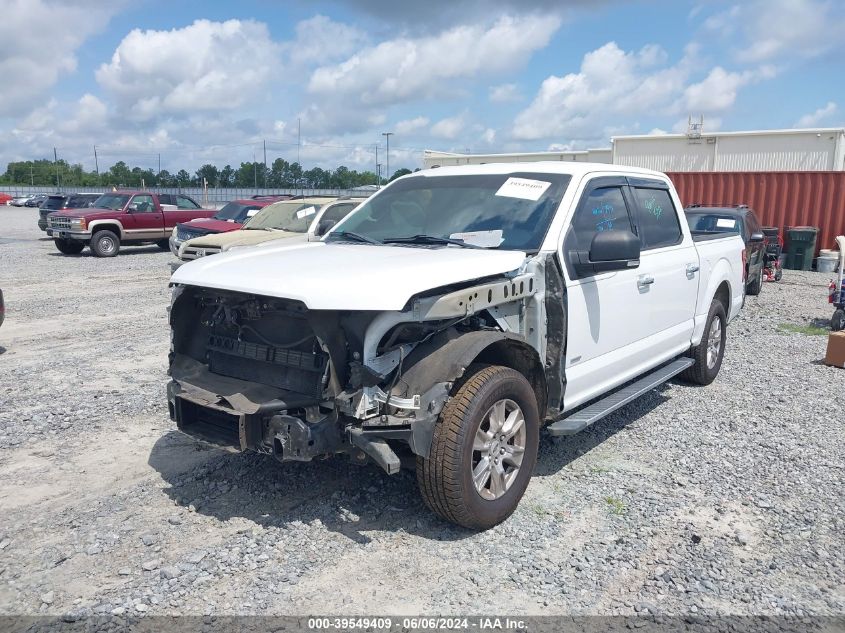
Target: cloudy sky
(205,81)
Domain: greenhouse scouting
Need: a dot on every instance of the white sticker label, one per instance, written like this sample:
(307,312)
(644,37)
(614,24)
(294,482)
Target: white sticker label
(725,223)
(523,188)
(485,239)
(302,213)
(252,212)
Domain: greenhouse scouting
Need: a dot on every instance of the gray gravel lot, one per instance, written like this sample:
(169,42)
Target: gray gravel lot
(726,499)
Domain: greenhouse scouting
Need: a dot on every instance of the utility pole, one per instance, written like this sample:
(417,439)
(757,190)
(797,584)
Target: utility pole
(387,135)
(265,162)
(378,171)
(31,176)
(158,175)
(96,165)
(254,171)
(298,146)
(56,160)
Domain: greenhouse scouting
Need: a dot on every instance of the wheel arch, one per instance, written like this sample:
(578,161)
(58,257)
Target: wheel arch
(106,225)
(447,357)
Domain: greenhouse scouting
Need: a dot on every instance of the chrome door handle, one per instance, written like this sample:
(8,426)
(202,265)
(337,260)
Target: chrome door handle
(692,269)
(645,280)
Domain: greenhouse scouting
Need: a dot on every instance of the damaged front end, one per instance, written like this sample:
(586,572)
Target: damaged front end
(265,374)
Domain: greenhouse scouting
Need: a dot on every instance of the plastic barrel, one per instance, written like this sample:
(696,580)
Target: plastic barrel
(826,264)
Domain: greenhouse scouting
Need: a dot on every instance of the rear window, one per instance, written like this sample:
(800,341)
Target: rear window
(236,212)
(53,202)
(714,222)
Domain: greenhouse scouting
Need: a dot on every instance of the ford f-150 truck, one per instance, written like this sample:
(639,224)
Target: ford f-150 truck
(121,218)
(448,318)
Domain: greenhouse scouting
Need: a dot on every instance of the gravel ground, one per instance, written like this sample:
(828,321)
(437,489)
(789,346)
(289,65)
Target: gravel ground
(726,499)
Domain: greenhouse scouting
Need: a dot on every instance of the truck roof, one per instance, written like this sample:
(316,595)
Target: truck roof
(549,167)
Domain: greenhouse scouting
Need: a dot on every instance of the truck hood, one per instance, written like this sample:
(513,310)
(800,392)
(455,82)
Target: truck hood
(89,213)
(241,237)
(213,226)
(344,276)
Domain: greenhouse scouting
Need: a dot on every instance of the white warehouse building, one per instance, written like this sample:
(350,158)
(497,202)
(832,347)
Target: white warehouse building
(821,149)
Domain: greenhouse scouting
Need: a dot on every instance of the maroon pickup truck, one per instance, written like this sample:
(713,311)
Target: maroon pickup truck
(122,217)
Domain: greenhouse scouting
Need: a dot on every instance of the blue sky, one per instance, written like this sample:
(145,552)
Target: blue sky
(209,81)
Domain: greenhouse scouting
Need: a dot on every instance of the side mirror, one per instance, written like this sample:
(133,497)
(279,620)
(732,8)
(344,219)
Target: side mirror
(756,237)
(132,207)
(611,250)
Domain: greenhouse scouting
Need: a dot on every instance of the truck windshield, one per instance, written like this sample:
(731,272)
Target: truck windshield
(113,201)
(235,211)
(505,211)
(293,216)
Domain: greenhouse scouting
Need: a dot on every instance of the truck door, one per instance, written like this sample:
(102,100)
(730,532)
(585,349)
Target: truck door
(143,220)
(606,316)
(669,260)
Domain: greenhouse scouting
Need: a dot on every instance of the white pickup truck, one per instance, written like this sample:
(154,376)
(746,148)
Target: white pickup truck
(448,318)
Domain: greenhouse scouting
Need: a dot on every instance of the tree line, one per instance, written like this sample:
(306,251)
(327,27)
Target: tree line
(279,175)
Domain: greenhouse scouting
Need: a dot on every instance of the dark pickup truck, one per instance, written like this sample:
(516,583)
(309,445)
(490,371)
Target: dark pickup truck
(122,218)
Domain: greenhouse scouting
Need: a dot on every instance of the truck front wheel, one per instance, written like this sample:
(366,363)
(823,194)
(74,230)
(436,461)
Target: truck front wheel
(105,244)
(483,449)
(709,352)
(69,247)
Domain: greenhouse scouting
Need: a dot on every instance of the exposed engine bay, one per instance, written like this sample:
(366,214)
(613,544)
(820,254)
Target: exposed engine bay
(269,375)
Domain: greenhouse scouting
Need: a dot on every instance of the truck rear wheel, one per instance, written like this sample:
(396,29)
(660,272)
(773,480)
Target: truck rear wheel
(709,352)
(69,247)
(483,450)
(756,285)
(105,244)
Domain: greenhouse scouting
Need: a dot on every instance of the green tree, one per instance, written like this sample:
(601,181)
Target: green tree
(210,173)
(398,173)
(227,176)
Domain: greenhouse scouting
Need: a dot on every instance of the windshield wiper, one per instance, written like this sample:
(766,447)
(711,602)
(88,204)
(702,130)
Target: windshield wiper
(429,239)
(355,237)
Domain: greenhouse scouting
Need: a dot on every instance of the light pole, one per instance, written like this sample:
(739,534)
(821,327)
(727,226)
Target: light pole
(387,135)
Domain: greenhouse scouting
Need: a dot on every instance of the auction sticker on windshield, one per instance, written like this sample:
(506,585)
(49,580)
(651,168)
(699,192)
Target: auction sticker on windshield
(305,212)
(485,239)
(523,188)
(726,223)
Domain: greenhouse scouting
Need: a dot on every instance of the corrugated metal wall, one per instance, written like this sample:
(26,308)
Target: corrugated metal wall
(782,199)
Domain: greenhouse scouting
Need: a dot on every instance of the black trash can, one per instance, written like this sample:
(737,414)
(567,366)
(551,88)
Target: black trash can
(801,247)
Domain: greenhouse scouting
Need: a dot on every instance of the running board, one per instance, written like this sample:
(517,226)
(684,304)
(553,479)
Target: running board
(583,418)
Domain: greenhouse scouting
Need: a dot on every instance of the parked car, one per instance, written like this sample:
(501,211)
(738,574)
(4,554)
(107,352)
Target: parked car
(739,219)
(290,220)
(36,201)
(230,217)
(20,201)
(118,218)
(62,201)
(447,317)
(5,198)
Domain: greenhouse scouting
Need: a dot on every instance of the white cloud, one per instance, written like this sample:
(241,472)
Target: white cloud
(504,93)
(38,42)
(815,118)
(405,68)
(204,66)
(718,91)
(449,128)
(781,29)
(489,136)
(611,83)
(410,126)
(319,39)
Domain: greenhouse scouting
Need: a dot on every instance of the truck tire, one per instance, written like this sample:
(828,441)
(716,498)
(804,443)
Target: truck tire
(709,352)
(69,247)
(756,285)
(837,321)
(105,244)
(163,245)
(472,476)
